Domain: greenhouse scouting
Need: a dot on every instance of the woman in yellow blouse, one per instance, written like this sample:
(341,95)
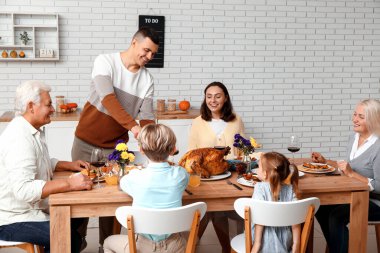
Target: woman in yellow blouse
(217,126)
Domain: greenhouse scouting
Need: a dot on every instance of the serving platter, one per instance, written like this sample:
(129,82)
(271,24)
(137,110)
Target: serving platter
(218,177)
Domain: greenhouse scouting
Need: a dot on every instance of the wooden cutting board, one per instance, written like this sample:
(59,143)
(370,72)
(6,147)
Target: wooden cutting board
(172,112)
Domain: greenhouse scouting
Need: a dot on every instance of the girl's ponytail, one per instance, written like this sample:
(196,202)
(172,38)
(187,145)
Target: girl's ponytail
(279,171)
(294,179)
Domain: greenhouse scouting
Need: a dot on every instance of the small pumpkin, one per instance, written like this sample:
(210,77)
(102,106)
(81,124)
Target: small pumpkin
(21,54)
(4,54)
(13,54)
(184,105)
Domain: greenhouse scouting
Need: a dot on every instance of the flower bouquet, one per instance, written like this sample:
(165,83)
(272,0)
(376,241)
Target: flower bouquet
(246,147)
(121,156)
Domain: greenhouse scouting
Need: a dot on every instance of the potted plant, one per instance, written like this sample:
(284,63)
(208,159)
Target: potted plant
(24,37)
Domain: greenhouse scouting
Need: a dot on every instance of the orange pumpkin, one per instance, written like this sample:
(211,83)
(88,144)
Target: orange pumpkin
(21,54)
(13,54)
(4,54)
(184,105)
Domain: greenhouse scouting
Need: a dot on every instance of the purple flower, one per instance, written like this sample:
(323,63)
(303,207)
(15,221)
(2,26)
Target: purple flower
(243,144)
(116,154)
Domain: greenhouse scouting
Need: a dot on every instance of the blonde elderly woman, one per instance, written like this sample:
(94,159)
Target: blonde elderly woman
(363,163)
(26,171)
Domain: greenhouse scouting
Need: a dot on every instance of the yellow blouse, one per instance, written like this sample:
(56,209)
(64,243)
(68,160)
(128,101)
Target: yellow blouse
(203,136)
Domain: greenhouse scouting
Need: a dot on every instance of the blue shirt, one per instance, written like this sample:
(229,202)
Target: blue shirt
(157,186)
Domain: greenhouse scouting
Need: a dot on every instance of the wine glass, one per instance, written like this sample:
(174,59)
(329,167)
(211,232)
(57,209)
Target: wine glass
(294,145)
(98,160)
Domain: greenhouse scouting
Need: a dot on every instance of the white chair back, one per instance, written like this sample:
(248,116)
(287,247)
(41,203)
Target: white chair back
(160,221)
(276,214)
(28,247)
(9,243)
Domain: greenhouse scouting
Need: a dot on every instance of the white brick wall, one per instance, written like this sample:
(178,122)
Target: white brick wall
(291,66)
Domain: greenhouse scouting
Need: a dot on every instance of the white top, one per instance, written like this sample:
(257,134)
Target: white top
(355,151)
(25,166)
(111,65)
(218,126)
(134,91)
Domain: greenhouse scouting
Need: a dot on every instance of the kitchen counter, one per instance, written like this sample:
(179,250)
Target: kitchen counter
(74,116)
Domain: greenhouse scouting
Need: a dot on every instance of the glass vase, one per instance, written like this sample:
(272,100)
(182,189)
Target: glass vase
(247,160)
(121,171)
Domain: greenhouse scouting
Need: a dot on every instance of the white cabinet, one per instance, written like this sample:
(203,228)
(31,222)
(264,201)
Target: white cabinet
(59,138)
(3,125)
(42,29)
(181,129)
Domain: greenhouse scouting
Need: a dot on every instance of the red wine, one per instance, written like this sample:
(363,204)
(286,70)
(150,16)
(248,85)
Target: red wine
(294,149)
(98,164)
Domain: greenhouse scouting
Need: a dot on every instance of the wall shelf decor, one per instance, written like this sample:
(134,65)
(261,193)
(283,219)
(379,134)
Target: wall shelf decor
(42,30)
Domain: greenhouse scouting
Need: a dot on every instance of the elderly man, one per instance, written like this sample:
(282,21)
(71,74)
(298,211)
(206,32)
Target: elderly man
(26,171)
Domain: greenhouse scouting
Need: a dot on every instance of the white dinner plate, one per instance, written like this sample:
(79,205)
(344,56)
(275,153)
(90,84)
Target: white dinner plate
(300,173)
(245,182)
(218,177)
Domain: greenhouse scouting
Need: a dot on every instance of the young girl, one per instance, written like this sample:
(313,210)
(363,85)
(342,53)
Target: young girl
(279,183)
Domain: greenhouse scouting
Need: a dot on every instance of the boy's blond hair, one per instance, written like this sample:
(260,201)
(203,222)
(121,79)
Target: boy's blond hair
(157,141)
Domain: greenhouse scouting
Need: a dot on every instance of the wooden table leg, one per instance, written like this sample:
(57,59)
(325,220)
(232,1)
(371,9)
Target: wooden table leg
(60,240)
(358,222)
(116,227)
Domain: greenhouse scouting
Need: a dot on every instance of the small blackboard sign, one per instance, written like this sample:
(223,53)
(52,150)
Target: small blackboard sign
(158,24)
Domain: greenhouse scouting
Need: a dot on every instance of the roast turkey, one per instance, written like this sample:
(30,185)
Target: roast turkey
(209,161)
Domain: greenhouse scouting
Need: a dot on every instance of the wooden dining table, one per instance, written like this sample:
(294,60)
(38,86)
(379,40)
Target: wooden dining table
(218,195)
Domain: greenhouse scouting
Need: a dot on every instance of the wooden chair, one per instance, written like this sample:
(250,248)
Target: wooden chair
(377,229)
(162,221)
(28,247)
(274,214)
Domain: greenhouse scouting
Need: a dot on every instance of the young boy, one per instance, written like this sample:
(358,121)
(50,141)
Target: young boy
(157,186)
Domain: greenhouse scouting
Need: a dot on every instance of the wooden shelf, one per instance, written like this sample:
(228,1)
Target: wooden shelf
(16,46)
(29,59)
(35,26)
(42,28)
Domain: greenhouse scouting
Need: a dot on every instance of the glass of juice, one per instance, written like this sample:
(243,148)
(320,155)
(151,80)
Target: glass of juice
(195,179)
